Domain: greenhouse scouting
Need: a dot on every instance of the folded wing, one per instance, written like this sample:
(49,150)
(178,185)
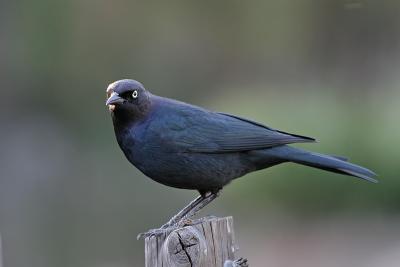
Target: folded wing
(224,133)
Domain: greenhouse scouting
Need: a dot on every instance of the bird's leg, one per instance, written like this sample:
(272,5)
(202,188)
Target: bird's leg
(183,212)
(205,201)
(182,216)
(173,222)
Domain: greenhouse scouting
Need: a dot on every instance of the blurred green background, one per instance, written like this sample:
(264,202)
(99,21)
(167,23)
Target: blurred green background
(327,69)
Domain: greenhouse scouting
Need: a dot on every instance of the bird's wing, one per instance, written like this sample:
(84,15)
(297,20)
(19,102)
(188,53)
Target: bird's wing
(310,139)
(212,132)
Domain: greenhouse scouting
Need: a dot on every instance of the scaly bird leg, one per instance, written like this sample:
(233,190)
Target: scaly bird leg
(183,212)
(205,201)
(186,213)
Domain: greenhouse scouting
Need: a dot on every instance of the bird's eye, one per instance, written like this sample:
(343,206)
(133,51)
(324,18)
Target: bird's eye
(135,94)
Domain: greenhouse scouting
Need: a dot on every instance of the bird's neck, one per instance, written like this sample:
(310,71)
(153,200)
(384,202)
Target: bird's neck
(123,120)
(123,129)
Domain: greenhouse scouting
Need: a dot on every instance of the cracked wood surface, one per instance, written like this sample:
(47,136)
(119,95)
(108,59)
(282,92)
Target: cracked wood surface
(207,244)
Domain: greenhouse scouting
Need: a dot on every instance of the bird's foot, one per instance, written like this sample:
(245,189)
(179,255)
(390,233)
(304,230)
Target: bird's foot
(237,263)
(156,232)
(188,221)
(168,227)
(241,262)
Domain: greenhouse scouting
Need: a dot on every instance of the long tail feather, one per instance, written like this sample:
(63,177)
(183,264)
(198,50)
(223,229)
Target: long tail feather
(321,161)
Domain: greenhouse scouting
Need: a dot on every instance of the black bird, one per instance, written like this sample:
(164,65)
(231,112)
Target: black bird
(186,146)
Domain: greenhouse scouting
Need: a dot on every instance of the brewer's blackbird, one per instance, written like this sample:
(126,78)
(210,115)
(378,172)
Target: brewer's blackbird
(189,147)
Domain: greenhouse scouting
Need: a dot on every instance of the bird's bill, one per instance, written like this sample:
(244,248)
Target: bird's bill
(114,99)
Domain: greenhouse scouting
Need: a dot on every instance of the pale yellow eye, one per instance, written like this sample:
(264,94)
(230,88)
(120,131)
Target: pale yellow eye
(135,94)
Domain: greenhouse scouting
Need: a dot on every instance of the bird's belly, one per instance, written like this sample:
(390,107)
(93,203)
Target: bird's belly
(193,171)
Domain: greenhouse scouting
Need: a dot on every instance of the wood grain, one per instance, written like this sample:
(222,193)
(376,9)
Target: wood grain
(207,244)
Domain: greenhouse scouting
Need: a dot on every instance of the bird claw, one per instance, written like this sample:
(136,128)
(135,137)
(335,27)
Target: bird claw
(167,228)
(156,232)
(241,262)
(188,221)
(237,263)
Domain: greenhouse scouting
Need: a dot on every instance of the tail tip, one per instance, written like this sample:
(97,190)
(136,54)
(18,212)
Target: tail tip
(368,177)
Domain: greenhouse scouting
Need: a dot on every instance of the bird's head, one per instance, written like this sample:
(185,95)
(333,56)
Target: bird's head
(127,96)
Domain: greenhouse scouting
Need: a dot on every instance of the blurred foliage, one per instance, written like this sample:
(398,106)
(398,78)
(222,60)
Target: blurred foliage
(68,197)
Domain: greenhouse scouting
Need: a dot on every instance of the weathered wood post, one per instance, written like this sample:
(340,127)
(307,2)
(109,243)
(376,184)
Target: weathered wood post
(207,244)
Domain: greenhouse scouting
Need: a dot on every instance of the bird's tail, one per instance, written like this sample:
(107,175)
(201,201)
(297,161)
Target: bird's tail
(321,161)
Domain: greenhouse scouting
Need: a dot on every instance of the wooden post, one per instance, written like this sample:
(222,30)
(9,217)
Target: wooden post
(207,244)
